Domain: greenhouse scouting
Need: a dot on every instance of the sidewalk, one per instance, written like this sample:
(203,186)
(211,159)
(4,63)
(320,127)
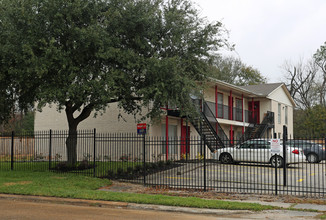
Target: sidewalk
(228,214)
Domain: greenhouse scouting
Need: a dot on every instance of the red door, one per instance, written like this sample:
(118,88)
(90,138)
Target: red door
(185,140)
(254,112)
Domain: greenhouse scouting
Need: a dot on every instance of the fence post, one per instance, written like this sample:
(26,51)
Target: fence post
(50,149)
(144,158)
(274,136)
(12,150)
(94,157)
(285,138)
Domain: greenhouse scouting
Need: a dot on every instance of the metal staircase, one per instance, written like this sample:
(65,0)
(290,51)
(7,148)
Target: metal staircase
(258,130)
(207,126)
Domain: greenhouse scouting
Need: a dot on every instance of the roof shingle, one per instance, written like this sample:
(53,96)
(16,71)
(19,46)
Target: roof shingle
(262,89)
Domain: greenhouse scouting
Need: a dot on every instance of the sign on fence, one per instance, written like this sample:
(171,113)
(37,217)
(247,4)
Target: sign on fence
(276,146)
(141,128)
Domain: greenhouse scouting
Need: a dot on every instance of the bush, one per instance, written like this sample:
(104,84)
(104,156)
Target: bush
(154,166)
(130,170)
(119,171)
(168,162)
(160,164)
(84,165)
(110,174)
(64,167)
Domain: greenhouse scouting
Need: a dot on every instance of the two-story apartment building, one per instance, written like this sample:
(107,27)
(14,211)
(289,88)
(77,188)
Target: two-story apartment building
(232,111)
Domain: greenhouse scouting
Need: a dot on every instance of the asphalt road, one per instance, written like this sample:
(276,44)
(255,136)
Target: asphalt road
(29,210)
(37,208)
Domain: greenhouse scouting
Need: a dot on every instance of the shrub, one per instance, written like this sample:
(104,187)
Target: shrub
(110,173)
(64,167)
(57,157)
(130,170)
(119,171)
(84,165)
(153,165)
(160,164)
(125,158)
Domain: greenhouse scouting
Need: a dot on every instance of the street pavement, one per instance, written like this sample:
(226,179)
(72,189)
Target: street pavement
(36,207)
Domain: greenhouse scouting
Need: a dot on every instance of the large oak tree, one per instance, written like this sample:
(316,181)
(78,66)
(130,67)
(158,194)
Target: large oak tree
(233,70)
(84,54)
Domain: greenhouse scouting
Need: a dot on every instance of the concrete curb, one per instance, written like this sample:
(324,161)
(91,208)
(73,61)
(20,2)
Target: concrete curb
(80,202)
(187,210)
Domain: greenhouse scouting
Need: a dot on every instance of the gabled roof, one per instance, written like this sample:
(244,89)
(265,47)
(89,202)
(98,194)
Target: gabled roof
(262,89)
(267,89)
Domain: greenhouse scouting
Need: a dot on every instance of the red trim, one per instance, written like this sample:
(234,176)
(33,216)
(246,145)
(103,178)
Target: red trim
(216,99)
(216,108)
(182,150)
(231,105)
(167,135)
(242,107)
(252,109)
(231,134)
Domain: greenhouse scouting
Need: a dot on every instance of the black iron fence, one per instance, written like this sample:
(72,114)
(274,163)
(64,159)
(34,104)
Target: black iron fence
(294,167)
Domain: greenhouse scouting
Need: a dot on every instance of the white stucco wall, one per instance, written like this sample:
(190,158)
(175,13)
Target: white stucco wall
(279,97)
(108,122)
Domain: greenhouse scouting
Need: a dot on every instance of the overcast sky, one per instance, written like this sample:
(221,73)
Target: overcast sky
(269,32)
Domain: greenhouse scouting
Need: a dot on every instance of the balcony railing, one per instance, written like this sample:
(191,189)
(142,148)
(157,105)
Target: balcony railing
(224,113)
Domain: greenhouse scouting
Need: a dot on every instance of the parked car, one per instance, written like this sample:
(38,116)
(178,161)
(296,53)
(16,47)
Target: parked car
(314,152)
(259,151)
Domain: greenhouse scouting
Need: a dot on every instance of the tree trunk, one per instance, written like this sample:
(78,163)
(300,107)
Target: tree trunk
(71,144)
(71,141)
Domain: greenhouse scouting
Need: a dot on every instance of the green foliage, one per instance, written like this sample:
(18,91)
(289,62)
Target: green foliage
(310,122)
(20,123)
(320,57)
(85,54)
(232,70)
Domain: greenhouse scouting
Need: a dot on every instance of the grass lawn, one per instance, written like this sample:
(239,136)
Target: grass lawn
(101,169)
(84,187)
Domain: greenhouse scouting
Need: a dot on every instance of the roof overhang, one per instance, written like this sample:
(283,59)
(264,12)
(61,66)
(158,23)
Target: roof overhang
(227,86)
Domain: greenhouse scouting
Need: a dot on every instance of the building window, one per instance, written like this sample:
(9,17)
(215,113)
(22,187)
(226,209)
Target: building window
(286,114)
(238,109)
(279,113)
(172,139)
(219,105)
